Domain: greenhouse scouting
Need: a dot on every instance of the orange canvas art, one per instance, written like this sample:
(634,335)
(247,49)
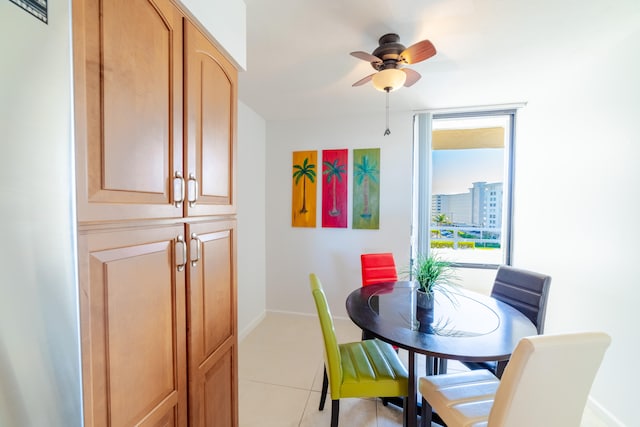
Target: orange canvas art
(303,189)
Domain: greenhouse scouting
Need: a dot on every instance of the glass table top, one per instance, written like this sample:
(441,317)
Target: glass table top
(463,325)
(445,319)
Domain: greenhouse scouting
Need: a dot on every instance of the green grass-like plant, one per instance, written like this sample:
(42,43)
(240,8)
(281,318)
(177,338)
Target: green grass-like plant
(431,272)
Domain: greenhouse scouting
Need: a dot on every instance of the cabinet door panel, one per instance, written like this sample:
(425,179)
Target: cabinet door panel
(133,328)
(211,86)
(219,392)
(128,71)
(212,339)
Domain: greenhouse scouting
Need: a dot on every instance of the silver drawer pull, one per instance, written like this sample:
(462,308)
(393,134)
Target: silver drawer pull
(193,190)
(178,189)
(181,252)
(195,240)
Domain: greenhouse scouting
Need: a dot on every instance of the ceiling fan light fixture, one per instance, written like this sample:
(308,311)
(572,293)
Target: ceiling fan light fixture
(389,80)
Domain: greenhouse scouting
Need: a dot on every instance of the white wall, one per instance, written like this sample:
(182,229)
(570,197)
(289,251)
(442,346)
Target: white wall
(226,22)
(576,202)
(39,340)
(251,189)
(333,253)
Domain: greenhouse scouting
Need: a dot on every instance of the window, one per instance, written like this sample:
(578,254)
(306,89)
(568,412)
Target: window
(463,164)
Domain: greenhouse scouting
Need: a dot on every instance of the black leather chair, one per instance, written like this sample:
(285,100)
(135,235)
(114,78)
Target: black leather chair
(527,292)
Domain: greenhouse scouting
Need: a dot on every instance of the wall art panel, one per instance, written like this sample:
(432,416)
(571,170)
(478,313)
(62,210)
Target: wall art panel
(366,188)
(303,200)
(334,188)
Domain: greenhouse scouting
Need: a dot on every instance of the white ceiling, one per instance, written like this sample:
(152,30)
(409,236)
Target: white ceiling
(489,51)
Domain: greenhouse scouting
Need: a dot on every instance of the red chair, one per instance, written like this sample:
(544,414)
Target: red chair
(378,268)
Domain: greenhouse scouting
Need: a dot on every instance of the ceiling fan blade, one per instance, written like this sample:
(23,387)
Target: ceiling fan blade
(418,52)
(412,76)
(363,80)
(366,56)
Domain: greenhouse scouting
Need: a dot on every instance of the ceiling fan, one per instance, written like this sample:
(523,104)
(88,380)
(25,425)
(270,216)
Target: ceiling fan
(389,58)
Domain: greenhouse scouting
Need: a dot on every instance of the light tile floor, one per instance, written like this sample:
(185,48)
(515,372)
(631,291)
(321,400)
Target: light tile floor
(280,378)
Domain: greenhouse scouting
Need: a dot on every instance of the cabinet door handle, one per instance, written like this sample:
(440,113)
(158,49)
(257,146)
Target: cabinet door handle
(198,247)
(193,190)
(181,252)
(178,189)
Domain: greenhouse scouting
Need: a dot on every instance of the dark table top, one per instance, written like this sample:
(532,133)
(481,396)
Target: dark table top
(463,325)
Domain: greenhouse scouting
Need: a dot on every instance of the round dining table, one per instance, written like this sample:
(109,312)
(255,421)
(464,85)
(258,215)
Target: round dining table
(463,325)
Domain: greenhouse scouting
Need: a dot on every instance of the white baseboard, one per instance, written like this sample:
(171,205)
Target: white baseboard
(605,416)
(296,313)
(251,326)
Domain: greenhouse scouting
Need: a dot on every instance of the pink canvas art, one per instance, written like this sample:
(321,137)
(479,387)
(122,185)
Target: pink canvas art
(334,188)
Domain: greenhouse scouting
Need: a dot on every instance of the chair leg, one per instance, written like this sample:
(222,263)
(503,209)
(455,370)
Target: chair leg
(335,411)
(426,414)
(442,366)
(397,401)
(500,368)
(325,387)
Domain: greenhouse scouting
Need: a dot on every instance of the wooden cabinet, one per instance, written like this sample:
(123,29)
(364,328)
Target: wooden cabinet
(142,288)
(210,127)
(134,161)
(212,342)
(133,326)
(155,110)
(128,101)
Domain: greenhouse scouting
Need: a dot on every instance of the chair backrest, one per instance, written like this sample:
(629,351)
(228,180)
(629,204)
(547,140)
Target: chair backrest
(331,350)
(378,268)
(548,379)
(526,291)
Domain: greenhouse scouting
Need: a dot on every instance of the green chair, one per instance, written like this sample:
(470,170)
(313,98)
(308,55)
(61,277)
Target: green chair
(360,369)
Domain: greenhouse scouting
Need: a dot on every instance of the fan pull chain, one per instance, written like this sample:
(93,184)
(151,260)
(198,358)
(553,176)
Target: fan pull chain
(387,131)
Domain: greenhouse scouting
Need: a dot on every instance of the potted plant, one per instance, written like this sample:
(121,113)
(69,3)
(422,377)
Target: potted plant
(431,273)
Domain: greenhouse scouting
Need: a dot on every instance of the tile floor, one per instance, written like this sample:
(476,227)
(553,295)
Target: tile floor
(280,378)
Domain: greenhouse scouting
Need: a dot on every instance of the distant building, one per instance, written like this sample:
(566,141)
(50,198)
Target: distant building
(481,206)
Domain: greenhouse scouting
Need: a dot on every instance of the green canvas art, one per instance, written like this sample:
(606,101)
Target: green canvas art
(366,188)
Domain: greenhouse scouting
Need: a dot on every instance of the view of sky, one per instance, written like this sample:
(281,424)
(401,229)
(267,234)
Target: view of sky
(454,171)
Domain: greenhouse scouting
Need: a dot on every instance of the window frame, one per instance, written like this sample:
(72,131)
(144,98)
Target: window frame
(422,195)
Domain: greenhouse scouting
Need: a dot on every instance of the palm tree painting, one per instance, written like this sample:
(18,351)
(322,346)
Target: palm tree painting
(334,188)
(366,188)
(303,203)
